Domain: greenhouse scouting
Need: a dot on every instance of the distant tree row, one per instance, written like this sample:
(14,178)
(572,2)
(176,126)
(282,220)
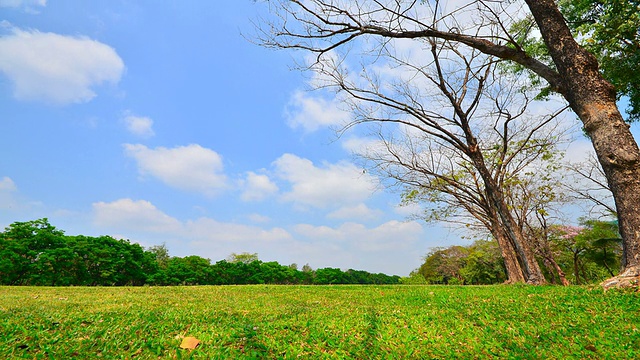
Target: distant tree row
(37,253)
(568,255)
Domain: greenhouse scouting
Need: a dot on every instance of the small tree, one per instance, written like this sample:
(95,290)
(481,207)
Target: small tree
(245,258)
(161,254)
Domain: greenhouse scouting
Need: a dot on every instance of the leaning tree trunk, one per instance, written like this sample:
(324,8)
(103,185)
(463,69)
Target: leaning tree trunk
(512,266)
(508,252)
(558,269)
(530,267)
(594,100)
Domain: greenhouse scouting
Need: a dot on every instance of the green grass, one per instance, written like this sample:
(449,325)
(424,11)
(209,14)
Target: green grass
(328,322)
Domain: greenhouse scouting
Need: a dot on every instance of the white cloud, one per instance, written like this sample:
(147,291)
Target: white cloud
(579,151)
(311,113)
(139,125)
(360,211)
(22,3)
(257,218)
(8,192)
(7,185)
(207,230)
(55,68)
(191,167)
(392,247)
(257,187)
(333,185)
(357,144)
(127,214)
(391,235)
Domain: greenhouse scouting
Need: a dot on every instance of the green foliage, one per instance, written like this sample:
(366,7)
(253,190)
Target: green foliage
(611,31)
(161,255)
(589,253)
(36,253)
(319,322)
(244,257)
(478,264)
(608,29)
(414,278)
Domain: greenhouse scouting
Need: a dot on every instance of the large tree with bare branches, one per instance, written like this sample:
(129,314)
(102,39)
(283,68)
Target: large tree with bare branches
(328,26)
(475,157)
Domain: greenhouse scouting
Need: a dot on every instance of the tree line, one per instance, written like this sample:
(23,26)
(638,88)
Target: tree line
(37,253)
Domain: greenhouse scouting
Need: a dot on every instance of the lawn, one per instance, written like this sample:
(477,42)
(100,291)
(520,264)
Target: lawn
(329,322)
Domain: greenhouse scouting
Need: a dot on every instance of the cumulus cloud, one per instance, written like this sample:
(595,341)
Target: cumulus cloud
(393,246)
(7,185)
(29,5)
(332,185)
(192,167)
(311,113)
(55,68)
(210,230)
(138,125)
(258,218)
(142,221)
(360,211)
(137,215)
(257,187)
(387,236)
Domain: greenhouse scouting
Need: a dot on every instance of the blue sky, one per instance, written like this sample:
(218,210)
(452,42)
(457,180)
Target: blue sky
(159,122)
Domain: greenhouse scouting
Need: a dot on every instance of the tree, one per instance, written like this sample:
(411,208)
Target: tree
(323,27)
(161,255)
(190,270)
(609,30)
(245,258)
(443,265)
(483,265)
(23,246)
(591,250)
(604,241)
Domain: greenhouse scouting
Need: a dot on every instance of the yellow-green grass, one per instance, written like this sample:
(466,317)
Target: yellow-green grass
(328,322)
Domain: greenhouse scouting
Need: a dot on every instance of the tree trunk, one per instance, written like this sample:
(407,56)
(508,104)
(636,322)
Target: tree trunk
(508,252)
(529,265)
(561,274)
(576,269)
(594,101)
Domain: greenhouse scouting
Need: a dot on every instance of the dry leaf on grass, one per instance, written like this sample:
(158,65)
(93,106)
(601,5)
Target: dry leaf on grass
(189,343)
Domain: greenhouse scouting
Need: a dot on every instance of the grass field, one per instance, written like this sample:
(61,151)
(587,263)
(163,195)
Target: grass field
(329,322)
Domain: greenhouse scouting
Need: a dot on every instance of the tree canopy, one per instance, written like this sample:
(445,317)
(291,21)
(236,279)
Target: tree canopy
(37,253)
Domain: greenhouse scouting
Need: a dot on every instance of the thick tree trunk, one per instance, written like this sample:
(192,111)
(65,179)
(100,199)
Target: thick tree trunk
(594,100)
(508,252)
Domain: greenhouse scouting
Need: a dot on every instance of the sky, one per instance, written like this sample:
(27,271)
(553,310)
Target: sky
(161,122)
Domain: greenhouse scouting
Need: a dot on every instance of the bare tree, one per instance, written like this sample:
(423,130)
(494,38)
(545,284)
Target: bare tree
(466,150)
(322,26)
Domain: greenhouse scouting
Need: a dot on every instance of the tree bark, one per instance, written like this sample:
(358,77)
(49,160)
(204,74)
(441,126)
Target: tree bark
(512,266)
(508,252)
(594,101)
